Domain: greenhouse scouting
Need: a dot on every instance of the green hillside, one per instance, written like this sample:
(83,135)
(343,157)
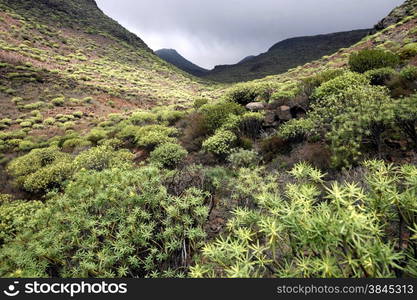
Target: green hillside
(115,164)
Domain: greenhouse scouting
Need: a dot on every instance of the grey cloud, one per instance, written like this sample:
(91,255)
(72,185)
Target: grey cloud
(224,31)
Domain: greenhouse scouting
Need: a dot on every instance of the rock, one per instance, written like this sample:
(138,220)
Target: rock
(271,119)
(255,106)
(284,113)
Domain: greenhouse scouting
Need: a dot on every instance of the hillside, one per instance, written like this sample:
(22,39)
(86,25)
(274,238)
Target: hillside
(79,53)
(173,57)
(285,55)
(115,164)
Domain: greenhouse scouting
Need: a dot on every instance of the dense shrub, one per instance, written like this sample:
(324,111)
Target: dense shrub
(312,82)
(216,115)
(41,169)
(250,124)
(272,146)
(199,102)
(149,136)
(142,118)
(366,60)
(380,76)
(154,135)
(168,155)
(409,73)
(102,157)
(221,143)
(339,85)
(96,135)
(15,216)
(60,101)
(115,223)
(292,233)
(408,51)
(405,114)
(75,143)
(242,158)
(244,93)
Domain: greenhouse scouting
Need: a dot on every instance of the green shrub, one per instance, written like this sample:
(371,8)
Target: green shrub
(49,121)
(60,101)
(168,155)
(292,233)
(221,143)
(148,136)
(339,85)
(169,116)
(76,143)
(243,158)
(409,73)
(408,51)
(35,105)
(102,157)
(78,114)
(244,93)
(15,217)
(199,102)
(96,135)
(27,145)
(142,117)
(250,124)
(26,124)
(380,76)
(41,169)
(216,115)
(366,60)
(115,223)
(312,82)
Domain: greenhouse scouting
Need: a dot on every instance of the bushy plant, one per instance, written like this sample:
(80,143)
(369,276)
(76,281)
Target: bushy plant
(59,101)
(115,223)
(199,102)
(339,85)
(312,82)
(244,93)
(250,124)
(102,157)
(221,143)
(408,51)
(15,216)
(142,118)
(168,155)
(154,135)
(96,135)
(76,143)
(370,59)
(409,73)
(41,169)
(216,115)
(293,233)
(380,76)
(148,136)
(242,158)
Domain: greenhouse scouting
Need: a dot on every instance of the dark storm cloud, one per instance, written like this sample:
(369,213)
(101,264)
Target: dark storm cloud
(216,32)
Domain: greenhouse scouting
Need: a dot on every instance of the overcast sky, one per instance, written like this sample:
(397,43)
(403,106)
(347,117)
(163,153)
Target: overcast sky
(213,32)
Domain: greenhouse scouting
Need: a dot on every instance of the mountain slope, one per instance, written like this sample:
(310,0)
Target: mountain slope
(69,49)
(173,57)
(285,55)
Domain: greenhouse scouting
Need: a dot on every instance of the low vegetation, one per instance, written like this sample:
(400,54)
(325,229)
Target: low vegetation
(115,164)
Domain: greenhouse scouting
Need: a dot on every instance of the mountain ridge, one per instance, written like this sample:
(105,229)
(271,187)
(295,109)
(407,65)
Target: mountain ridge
(285,55)
(173,57)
